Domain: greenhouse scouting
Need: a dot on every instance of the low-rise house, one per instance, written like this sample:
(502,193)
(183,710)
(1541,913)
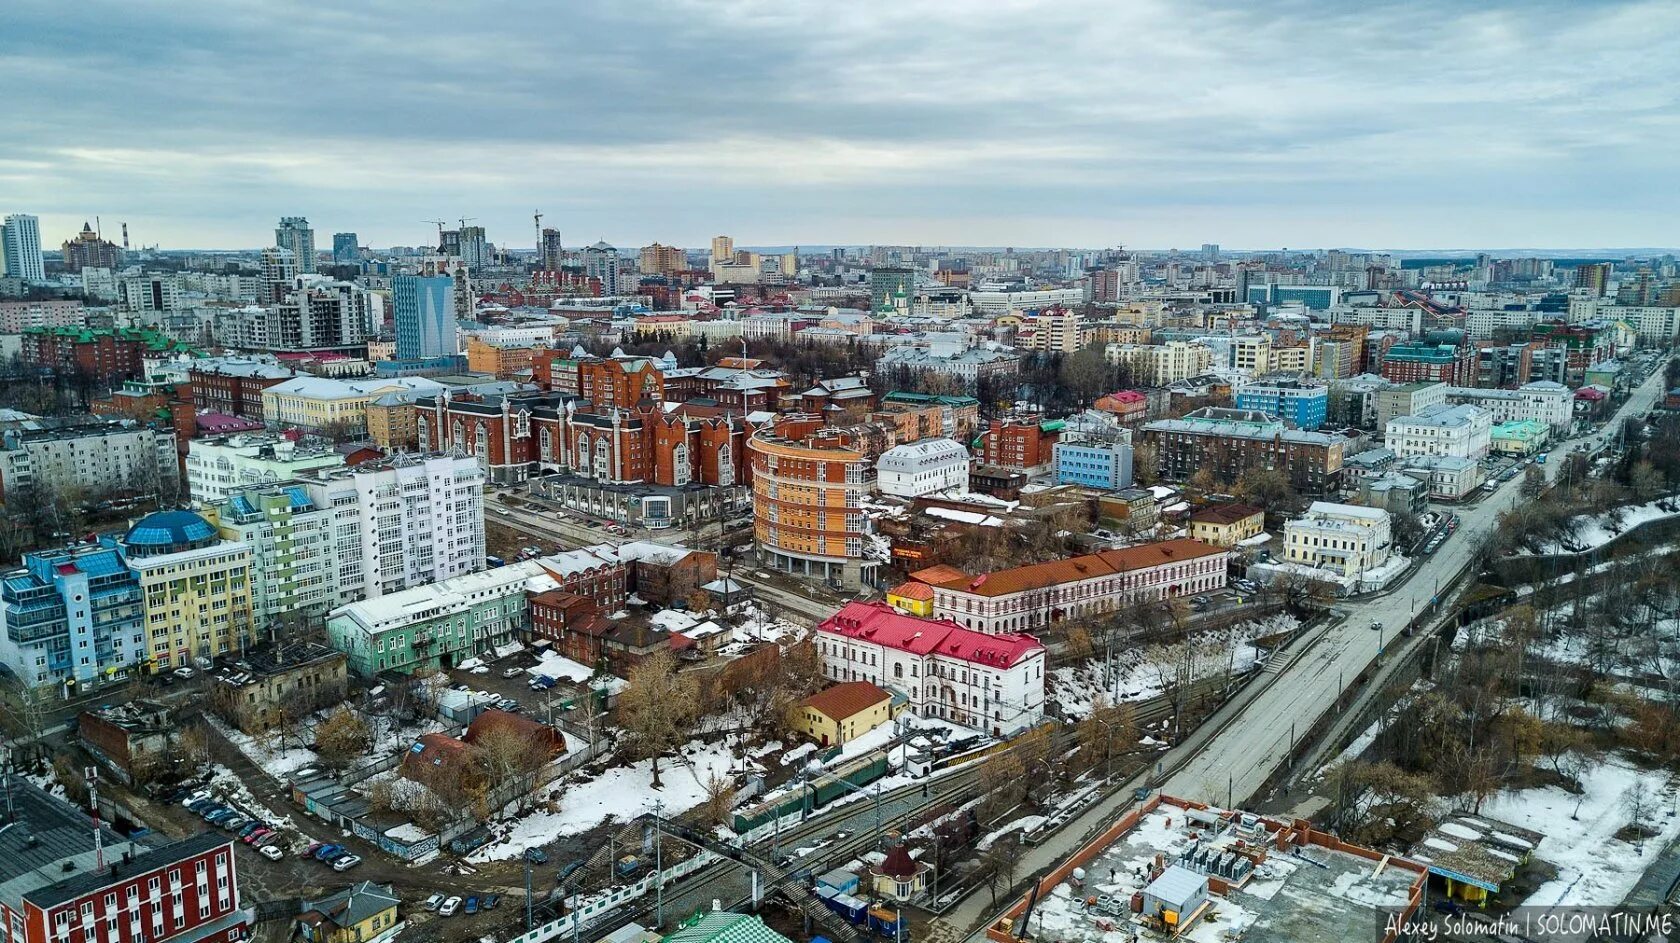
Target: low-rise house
(842,712)
(899,876)
(257,691)
(922,467)
(1521,438)
(1345,539)
(1448,477)
(665,575)
(1039,594)
(1226,525)
(361,913)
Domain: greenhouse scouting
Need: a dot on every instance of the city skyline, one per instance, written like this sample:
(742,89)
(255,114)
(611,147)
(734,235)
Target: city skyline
(1409,126)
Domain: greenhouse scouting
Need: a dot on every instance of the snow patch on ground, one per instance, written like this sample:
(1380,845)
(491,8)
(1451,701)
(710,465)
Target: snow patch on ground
(1594,867)
(1074,688)
(1589,531)
(618,794)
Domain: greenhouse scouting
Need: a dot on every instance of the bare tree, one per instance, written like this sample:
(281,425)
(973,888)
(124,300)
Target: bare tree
(656,708)
(341,737)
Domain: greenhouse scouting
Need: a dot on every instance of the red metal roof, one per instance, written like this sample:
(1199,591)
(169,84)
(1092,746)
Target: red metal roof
(881,624)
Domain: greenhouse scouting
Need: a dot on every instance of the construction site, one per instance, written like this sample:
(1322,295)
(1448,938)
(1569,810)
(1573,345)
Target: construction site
(1171,869)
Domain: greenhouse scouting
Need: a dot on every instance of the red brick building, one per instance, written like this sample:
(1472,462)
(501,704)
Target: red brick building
(110,355)
(186,891)
(234,387)
(666,575)
(517,436)
(620,382)
(1022,443)
(595,573)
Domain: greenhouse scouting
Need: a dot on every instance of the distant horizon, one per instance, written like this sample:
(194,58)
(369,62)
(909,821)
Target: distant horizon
(1605,253)
(1081,122)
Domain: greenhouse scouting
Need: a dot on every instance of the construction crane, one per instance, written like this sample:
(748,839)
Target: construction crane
(439,223)
(536,221)
(467,219)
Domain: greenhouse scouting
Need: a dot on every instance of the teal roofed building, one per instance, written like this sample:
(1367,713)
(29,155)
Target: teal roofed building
(1521,437)
(721,927)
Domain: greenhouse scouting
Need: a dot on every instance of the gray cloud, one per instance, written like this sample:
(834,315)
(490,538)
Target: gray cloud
(1095,122)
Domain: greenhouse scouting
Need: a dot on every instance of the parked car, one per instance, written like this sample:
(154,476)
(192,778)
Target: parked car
(234,823)
(448,907)
(195,797)
(325,852)
(257,835)
(346,863)
(512,672)
(184,672)
(271,852)
(489,901)
(472,905)
(249,827)
(536,856)
(507,704)
(199,805)
(314,846)
(434,902)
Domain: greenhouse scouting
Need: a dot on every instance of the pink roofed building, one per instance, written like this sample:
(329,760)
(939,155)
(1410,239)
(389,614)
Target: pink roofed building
(991,682)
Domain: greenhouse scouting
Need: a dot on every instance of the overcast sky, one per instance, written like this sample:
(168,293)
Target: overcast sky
(972,122)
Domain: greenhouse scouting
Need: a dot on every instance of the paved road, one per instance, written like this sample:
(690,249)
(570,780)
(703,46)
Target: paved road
(1247,752)
(1236,750)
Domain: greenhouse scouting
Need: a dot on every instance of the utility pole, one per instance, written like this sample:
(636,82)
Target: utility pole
(658,867)
(528,891)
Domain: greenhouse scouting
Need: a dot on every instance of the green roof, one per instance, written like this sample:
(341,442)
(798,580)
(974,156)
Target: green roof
(726,928)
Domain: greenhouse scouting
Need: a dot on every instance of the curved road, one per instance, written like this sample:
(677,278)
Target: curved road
(1246,753)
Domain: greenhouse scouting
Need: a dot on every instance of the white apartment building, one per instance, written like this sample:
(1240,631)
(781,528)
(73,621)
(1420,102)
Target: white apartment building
(1345,539)
(994,303)
(993,683)
(1540,401)
(1040,594)
(1460,431)
(403,521)
(1160,364)
(217,467)
(1056,331)
(919,468)
(100,457)
(1482,323)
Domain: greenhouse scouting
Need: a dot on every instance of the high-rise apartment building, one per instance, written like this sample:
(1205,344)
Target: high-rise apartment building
(277,272)
(723,249)
(552,253)
(88,250)
(475,247)
(660,259)
(1593,278)
(885,282)
(600,261)
(20,248)
(294,233)
(423,310)
(401,522)
(347,248)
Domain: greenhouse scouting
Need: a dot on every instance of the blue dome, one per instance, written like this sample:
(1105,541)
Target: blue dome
(169,532)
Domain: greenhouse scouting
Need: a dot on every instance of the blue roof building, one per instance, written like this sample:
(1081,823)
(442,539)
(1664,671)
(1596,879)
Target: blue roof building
(72,616)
